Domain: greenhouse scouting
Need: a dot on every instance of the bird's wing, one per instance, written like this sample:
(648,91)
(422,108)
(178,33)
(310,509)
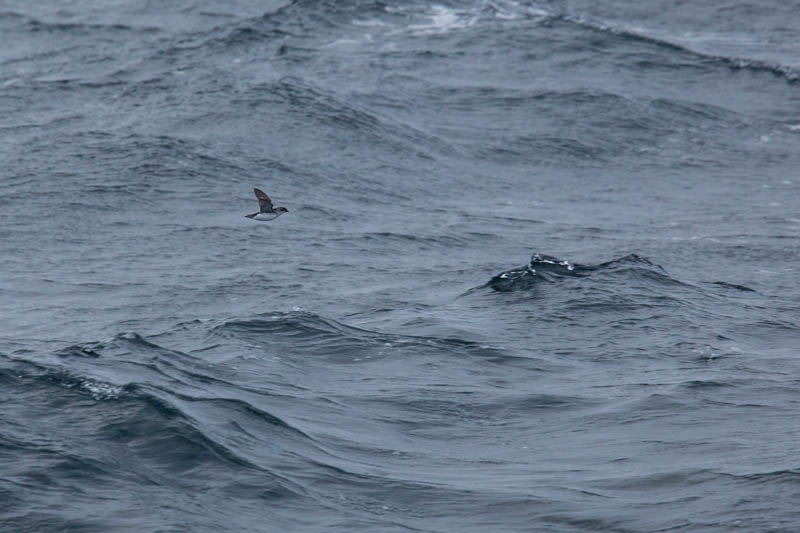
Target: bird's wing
(264,201)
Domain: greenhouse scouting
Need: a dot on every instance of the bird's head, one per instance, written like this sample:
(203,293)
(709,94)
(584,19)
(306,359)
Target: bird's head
(281,210)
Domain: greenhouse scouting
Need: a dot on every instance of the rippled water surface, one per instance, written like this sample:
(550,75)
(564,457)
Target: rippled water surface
(539,271)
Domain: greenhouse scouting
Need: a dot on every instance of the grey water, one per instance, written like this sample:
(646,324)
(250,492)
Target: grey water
(539,273)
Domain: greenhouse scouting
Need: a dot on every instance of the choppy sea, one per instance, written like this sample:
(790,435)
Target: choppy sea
(539,273)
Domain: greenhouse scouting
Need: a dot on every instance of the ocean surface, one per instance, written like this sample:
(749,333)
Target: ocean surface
(539,273)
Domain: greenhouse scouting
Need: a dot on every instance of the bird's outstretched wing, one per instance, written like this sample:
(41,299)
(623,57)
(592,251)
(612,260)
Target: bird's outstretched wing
(264,201)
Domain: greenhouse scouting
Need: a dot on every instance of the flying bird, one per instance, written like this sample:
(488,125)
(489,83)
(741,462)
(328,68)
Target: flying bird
(266,211)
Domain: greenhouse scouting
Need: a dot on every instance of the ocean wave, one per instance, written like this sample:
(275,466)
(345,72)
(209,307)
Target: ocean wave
(165,429)
(187,430)
(548,269)
(302,334)
(28,23)
(301,25)
(786,72)
(541,268)
(325,108)
(426,20)
(548,149)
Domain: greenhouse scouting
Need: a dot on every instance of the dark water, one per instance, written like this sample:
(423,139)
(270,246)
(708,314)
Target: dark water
(539,271)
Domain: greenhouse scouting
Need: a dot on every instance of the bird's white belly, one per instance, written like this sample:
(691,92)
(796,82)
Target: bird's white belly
(267,216)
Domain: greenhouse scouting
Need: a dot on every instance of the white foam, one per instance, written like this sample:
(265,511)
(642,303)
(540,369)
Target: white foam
(101,391)
(510,10)
(442,20)
(438,19)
